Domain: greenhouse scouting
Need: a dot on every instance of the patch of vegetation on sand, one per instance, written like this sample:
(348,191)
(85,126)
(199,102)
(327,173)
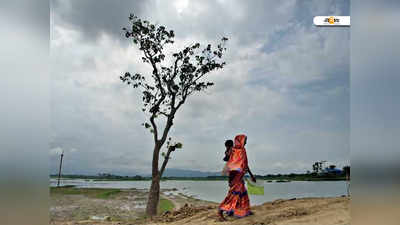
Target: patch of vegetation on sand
(108,194)
(165,205)
(103,193)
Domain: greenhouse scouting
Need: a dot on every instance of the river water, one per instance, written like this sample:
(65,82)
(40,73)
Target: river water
(216,190)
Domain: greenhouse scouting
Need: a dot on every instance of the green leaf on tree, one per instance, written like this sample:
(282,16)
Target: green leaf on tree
(178,145)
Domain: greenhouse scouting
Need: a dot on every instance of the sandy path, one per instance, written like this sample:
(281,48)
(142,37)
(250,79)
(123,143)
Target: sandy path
(307,211)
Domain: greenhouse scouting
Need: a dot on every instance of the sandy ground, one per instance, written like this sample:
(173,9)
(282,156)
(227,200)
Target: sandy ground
(69,206)
(127,209)
(126,205)
(310,211)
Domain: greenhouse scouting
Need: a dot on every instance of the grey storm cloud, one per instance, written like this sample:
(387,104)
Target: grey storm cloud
(286,85)
(94,17)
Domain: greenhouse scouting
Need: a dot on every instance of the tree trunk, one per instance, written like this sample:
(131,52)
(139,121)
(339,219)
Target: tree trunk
(154,192)
(154,195)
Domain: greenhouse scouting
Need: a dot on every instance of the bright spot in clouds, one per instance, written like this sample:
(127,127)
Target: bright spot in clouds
(181,5)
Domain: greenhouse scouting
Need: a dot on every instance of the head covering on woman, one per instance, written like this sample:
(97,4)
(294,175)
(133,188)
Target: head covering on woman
(238,159)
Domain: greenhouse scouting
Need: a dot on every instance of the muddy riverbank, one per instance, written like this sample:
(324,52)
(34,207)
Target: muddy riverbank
(71,205)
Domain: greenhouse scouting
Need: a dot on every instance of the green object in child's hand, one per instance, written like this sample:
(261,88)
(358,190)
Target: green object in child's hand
(254,188)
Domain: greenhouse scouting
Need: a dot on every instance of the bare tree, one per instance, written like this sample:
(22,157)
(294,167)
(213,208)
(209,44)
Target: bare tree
(169,87)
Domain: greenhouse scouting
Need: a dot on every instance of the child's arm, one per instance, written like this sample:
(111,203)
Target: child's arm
(252,177)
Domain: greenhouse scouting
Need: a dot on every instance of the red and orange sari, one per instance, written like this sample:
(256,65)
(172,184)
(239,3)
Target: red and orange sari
(237,201)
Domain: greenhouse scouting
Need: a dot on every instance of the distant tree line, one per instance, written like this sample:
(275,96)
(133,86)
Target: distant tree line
(318,173)
(291,176)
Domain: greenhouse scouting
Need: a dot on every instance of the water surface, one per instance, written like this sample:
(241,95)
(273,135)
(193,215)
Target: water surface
(216,190)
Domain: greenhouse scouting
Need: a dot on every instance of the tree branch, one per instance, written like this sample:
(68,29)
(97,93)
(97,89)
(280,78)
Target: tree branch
(166,158)
(155,131)
(155,70)
(175,67)
(164,114)
(180,103)
(167,127)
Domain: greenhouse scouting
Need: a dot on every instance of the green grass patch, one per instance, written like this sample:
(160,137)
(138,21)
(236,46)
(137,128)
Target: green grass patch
(165,205)
(88,192)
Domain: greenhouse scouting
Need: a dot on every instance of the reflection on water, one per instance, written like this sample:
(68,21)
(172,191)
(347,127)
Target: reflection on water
(216,190)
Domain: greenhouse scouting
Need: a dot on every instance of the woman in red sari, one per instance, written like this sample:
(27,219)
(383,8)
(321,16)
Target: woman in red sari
(237,201)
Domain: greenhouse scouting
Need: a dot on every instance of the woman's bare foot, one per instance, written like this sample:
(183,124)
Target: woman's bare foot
(221,216)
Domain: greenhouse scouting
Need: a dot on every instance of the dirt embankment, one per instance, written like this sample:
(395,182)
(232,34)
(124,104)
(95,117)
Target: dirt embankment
(126,208)
(307,211)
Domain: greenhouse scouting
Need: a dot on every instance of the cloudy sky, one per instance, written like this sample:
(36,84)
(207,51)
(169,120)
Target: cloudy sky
(286,85)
